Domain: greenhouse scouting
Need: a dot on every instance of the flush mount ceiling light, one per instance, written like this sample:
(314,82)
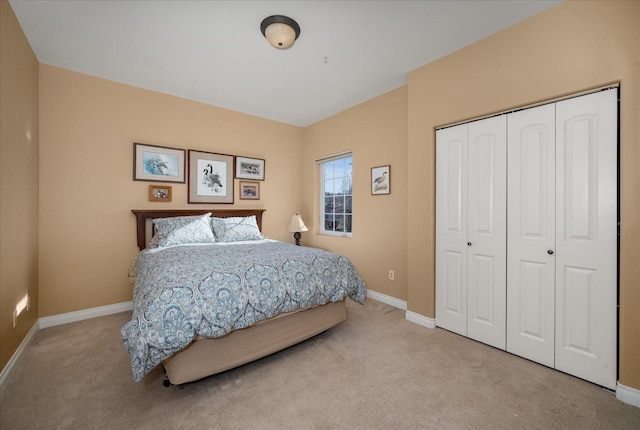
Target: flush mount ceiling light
(281,31)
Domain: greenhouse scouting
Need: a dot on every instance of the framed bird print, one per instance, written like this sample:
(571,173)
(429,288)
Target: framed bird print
(210,177)
(159,193)
(249,190)
(158,163)
(381,180)
(250,168)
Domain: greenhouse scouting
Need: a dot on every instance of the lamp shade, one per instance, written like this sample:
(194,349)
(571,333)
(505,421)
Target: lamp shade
(296,224)
(281,31)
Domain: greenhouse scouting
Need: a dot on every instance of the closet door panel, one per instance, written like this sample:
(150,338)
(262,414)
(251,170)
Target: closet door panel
(451,229)
(486,231)
(531,234)
(586,282)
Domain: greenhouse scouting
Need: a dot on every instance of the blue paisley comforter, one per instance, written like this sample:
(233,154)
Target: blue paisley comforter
(210,290)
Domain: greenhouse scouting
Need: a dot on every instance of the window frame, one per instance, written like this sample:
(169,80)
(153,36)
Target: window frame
(322,163)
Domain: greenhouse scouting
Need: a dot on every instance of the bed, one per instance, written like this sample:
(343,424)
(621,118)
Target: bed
(203,308)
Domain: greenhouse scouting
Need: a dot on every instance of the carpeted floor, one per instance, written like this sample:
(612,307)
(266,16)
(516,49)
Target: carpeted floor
(374,371)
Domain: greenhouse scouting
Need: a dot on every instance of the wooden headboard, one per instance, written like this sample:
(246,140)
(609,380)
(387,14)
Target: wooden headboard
(145,216)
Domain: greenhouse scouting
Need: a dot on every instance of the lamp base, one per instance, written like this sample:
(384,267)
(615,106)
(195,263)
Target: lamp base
(297,237)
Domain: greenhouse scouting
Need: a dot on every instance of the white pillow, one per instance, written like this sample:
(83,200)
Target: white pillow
(153,243)
(234,229)
(184,229)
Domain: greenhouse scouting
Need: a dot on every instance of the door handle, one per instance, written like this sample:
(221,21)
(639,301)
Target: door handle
(550,252)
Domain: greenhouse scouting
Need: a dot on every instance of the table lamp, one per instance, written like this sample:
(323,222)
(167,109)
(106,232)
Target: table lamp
(296,225)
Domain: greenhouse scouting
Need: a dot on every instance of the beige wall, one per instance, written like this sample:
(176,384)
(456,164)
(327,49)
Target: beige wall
(376,132)
(88,126)
(570,48)
(18,182)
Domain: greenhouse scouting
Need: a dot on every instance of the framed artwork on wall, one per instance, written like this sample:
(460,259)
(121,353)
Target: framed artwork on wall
(249,190)
(381,180)
(159,193)
(210,177)
(250,168)
(158,163)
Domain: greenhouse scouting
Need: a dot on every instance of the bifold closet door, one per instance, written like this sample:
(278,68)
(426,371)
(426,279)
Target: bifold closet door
(487,231)
(451,229)
(562,236)
(471,230)
(531,234)
(586,237)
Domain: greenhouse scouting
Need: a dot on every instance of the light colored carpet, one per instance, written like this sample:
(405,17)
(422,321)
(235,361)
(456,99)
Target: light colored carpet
(374,371)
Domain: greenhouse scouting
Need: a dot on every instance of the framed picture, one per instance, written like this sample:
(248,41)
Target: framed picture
(158,163)
(210,177)
(159,193)
(249,190)
(250,168)
(381,180)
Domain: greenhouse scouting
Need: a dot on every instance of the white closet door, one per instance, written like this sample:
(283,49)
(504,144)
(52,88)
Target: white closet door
(531,234)
(451,229)
(486,231)
(586,272)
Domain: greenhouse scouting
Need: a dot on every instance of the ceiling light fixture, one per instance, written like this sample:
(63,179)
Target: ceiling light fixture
(281,31)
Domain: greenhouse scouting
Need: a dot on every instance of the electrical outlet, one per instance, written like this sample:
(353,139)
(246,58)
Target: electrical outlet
(392,275)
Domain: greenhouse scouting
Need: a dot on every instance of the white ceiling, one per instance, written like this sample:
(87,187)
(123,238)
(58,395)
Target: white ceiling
(214,52)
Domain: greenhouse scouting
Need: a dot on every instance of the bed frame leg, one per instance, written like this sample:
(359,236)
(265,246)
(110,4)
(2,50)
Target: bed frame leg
(166,381)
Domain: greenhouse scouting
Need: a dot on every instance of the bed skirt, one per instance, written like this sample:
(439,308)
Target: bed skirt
(205,357)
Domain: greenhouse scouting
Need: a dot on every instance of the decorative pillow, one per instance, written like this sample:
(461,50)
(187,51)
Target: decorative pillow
(153,243)
(233,229)
(184,229)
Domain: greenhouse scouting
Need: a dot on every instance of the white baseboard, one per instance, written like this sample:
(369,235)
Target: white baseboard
(400,304)
(85,314)
(420,320)
(628,395)
(16,356)
(58,320)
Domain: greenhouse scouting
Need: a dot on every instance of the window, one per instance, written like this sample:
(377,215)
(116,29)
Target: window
(336,191)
